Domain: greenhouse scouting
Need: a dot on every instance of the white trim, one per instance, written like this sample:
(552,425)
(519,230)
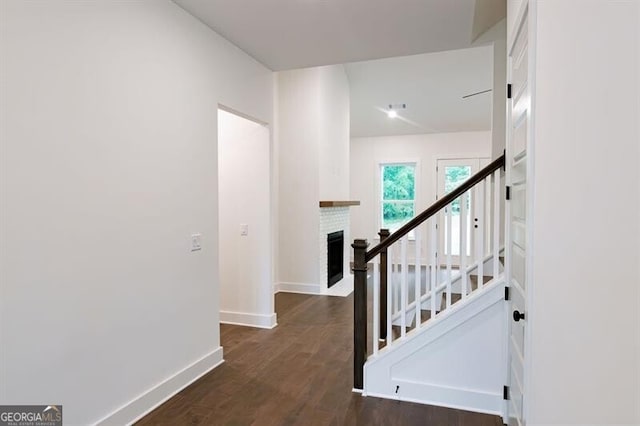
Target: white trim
(242,115)
(471,400)
(524,6)
(379,378)
(532,20)
(417,176)
(146,402)
(302,288)
(248,320)
(475,304)
(527,12)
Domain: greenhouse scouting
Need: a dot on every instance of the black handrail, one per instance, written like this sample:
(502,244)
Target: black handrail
(436,207)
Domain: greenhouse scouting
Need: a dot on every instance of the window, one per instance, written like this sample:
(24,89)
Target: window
(398,200)
(454,176)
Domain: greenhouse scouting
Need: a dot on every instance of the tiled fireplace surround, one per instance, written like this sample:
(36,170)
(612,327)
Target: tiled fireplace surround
(333,219)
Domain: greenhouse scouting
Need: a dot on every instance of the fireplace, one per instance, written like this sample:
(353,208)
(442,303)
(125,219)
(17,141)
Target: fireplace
(335,257)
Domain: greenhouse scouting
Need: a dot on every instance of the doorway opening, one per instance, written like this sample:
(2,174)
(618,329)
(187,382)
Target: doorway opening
(451,174)
(244,221)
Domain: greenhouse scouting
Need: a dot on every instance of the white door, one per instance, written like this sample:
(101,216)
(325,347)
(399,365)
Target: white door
(451,174)
(517,168)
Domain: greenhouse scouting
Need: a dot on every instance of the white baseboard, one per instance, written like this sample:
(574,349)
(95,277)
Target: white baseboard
(298,288)
(248,320)
(443,396)
(146,402)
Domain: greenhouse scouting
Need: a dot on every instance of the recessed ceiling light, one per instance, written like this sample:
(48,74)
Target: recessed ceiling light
(392,112)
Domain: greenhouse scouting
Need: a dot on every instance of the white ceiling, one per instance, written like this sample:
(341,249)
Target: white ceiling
(431,85)
(288,34)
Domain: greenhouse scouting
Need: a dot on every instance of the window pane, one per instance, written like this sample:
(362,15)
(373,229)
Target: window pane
(396,214)
(454,177)
(398,182)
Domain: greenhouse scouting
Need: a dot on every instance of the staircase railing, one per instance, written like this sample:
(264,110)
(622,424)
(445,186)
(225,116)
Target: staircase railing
(462,231)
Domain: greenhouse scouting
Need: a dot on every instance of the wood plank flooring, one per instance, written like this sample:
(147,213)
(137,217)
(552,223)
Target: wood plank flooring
(299,373)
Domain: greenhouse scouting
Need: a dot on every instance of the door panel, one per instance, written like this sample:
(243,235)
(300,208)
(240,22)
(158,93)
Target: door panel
(518,261)
(519,201)
(519,234)
(518,122)
(451,174)
(520,136)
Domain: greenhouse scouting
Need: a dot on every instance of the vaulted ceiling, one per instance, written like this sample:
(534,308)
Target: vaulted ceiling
(288,34)
(417,52)
(431,85)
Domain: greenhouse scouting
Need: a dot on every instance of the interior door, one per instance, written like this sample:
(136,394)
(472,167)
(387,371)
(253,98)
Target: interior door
(451,174)
(517,167)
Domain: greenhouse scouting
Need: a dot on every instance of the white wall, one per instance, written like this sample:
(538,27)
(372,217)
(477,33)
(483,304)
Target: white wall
(313,164)
(496,36)
(584,314)
(246,295)
(368,153)
(108,165)
(298,187)
(499,105)
(334,134)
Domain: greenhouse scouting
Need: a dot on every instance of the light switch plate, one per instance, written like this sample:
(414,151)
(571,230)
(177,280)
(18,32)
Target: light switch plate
(196,242)
(244,229)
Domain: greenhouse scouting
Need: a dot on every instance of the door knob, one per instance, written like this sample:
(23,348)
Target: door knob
(517,316)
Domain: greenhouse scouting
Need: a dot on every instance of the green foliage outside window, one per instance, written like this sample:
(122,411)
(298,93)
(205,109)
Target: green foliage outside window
(398,195)
(454,177)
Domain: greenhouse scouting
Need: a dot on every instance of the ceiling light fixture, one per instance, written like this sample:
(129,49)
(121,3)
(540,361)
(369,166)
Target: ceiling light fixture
(392,112)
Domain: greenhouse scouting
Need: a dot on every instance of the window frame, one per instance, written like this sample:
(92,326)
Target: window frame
(380,188)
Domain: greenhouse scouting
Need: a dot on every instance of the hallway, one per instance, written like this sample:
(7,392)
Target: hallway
(299,373)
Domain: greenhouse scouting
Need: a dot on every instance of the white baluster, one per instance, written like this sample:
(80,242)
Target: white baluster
(439,224)
(397,284)
(479,227)
(487,217)
(432,251)
(394,275)
(403,285)
(463,243)
(449,260)
(496,222)
(417,275)
(376,304)
(389,296)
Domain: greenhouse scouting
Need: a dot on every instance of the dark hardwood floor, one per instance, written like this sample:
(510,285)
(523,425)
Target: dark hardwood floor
(299,373)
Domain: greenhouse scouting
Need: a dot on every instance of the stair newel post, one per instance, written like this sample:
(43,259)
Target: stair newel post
(359,311)
(384,234)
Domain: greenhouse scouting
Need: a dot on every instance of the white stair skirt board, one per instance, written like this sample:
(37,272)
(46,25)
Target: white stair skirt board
(454,360)
(142,405)
(342,288)
(248,320)
(298,288)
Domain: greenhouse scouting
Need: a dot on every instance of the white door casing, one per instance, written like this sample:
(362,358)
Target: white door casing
(518,222)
